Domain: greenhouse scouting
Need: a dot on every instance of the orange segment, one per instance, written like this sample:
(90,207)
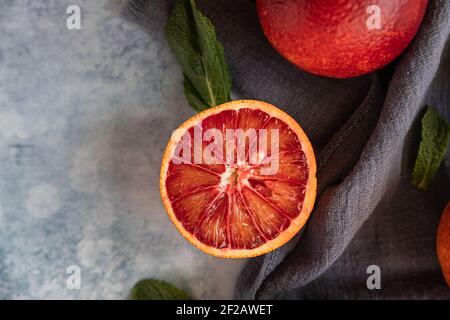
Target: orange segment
(232,204)
(189,208)
(287,196)
(186,178)
(267,217)
(211,227)
(243,231)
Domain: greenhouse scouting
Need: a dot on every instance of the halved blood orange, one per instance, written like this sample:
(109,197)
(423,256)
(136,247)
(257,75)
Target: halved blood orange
(234,209)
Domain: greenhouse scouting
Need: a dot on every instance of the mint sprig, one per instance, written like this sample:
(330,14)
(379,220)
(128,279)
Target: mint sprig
(151,289)
(193,40)
(432,148)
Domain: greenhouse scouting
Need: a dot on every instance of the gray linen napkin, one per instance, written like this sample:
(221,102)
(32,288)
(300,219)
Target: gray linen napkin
(364,131)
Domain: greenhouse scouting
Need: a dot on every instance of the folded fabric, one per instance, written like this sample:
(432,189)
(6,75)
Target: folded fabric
(364,131)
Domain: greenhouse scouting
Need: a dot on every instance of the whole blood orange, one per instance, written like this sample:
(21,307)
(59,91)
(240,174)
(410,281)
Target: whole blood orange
(234,202)
(340,39)
(443,243)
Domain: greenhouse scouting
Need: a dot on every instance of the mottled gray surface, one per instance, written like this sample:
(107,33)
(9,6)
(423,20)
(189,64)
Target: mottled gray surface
(84,115)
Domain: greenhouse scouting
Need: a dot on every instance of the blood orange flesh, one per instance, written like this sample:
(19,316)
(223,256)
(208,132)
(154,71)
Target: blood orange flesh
(232,208)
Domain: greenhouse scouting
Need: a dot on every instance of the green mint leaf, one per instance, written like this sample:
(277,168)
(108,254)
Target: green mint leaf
(151,289)
(193,97)
(193,40)
(432,148)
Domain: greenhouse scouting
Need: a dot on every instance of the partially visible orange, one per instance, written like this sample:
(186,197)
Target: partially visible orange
(231,209)
(443,243)
(340,39)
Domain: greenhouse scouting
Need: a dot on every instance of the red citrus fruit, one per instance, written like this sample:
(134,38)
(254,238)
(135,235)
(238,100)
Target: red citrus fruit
(340,39)
(443,243)
(233,209)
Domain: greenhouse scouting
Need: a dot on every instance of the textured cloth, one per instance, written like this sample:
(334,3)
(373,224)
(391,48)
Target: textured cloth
(365,134)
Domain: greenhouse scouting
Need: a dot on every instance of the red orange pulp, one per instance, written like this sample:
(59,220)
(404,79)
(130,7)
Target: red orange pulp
(232,209)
